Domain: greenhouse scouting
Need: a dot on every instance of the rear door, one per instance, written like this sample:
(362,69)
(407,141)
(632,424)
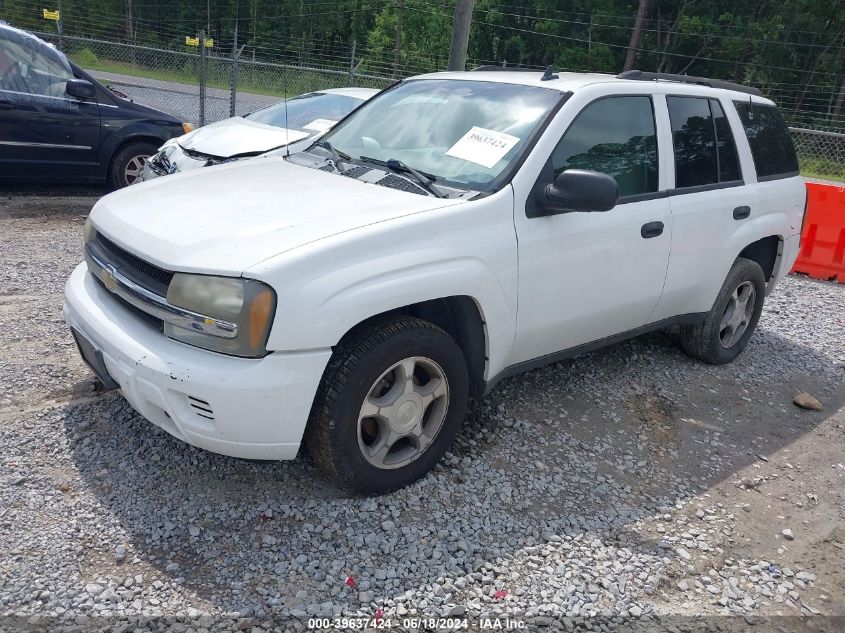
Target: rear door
(44,132)
(711,202)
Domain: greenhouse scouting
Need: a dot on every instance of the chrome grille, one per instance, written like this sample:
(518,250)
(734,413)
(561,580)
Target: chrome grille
(143,273)
(139,295)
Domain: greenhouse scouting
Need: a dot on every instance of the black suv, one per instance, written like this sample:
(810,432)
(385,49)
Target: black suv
(59,123)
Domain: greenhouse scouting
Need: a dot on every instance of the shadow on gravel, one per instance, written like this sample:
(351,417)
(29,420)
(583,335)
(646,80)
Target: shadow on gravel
(46,188)
(573,454)
(48,200)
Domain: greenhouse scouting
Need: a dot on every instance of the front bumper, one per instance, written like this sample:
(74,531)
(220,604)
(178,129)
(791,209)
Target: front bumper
(249,408)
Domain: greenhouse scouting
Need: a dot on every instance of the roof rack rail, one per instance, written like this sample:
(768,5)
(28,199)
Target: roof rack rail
(491,67)
(639,75)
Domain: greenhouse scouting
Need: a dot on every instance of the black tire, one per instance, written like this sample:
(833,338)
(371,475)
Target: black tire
(332,433)
(117,177)
(704,341)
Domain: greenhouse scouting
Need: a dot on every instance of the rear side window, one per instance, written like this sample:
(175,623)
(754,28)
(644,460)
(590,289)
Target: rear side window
(768,136)
(694,139)
(615,136)
(705,150)
(728,160)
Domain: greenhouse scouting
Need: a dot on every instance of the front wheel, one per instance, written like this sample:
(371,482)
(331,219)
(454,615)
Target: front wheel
(127,166)
(732,319)
(389,405)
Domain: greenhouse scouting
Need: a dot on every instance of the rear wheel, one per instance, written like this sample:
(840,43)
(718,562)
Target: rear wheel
(127,165)
(731,321)
(390,404)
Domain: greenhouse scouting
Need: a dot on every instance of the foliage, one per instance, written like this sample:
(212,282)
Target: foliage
(792,50)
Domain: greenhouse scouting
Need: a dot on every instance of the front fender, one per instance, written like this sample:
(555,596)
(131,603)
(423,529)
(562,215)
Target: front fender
(120,131)
(327,288)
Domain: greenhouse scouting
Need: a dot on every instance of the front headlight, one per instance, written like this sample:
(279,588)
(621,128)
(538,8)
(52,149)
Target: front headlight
(248,303)
(168,143)
(87,231)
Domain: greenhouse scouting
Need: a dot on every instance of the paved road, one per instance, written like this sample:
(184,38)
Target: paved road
(182,99)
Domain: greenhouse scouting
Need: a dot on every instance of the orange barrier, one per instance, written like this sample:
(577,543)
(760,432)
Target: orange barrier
(822,254)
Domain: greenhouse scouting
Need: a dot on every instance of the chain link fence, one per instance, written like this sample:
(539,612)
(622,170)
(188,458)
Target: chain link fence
(202,86)
(821,154)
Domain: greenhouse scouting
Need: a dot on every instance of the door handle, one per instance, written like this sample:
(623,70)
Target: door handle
(740,213)
(651,229)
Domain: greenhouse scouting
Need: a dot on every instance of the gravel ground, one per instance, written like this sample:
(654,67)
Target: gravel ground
(599,493)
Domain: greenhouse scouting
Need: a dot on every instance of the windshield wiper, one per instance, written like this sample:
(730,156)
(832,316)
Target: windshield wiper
(337,158)
(421,177)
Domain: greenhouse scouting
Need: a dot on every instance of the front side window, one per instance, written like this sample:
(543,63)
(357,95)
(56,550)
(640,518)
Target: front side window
(28,65)
(310,113)
(467,133)
(768,136)
(615,136)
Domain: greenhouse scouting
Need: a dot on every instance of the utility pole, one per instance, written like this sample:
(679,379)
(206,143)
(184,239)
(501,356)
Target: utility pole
(460,34)
(352,63)
(130,28)
(397,42)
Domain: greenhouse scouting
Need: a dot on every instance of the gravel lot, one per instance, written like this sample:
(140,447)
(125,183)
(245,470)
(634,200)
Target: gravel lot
(594,494)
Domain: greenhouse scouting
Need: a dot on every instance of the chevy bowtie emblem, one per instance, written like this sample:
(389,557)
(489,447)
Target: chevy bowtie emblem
(109,281)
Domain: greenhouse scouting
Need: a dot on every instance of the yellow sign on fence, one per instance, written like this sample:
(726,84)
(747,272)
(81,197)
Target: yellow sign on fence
(51,15)
(195,41)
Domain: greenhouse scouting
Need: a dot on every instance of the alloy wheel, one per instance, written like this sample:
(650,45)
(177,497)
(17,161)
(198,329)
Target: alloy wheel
(134,169)
(403,412)
(737,314)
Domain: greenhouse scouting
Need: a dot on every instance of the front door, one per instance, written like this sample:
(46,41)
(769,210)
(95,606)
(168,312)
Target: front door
(44,132)
(586,276)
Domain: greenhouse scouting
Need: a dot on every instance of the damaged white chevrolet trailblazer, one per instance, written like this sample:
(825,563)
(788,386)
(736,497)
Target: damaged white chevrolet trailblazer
(456,229)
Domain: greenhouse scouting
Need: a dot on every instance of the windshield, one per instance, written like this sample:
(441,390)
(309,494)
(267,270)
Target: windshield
(465,132)
(310,114)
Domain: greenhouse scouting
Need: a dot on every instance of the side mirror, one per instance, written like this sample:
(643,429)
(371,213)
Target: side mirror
(579,190)
(80,89)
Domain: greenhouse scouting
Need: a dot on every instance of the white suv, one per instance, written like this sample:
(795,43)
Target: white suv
(457,229)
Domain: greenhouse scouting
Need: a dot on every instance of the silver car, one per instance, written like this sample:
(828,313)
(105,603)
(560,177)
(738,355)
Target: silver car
(294,127)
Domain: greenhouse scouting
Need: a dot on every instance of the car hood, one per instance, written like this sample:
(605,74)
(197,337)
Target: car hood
(237,136)
(228,218)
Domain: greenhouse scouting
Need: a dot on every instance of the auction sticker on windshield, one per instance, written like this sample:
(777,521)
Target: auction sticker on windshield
(319,125)
(483,147)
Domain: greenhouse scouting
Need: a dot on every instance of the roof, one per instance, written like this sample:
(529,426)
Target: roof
(565,82)
(357,93)
(570,82)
